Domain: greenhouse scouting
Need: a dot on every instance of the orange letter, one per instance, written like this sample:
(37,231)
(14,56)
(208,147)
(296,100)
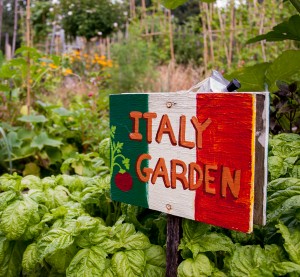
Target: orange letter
(160,170)
(182,142)
(148,117)
(135,135)
(165,127)
(199,176)
(209,179)
(233,183)
(143,175)
(200,127)
(180,176)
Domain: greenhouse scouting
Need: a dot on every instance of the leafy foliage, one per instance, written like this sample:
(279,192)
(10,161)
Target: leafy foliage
(283,31)
(88,18)
(285,112)
(272,250)
(172,4)
(54,225)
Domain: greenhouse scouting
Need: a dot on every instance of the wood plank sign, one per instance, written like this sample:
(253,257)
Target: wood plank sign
(200,156)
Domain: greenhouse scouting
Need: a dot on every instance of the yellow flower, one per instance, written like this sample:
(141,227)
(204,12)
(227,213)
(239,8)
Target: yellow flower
(109,63)
(43,64)
(67,71)
(103,63)
(52,66)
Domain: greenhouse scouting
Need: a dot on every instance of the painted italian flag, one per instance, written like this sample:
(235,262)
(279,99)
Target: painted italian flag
(187,154)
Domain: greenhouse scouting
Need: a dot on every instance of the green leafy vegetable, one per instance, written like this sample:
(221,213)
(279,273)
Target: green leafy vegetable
(129,263)
(88,262)
(200,266)
(292,242)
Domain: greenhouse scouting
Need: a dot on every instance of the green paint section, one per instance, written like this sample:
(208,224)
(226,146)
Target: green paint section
(125,185)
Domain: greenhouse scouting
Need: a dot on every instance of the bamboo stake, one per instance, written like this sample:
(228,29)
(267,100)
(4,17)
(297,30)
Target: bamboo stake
(223,40)
(171,37)
(205,49)
(144,17)
(132,8)
(7,47)
(208,22)
(261,30)
(1,17)
(108,48)
(232,29)
(28,101)
(15,29)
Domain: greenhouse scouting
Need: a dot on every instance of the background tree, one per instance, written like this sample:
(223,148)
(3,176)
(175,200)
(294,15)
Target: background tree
(90,18)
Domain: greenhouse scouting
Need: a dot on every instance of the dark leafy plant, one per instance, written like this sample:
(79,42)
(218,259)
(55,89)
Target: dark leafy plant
(285,109)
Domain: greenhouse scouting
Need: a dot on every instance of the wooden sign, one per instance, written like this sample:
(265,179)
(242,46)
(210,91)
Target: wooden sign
(200,156)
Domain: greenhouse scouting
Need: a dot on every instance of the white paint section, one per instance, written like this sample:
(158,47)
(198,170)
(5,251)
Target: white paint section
(177,201)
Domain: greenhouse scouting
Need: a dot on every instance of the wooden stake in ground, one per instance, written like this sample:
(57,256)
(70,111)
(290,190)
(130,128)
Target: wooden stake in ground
(28,100)
(15,28)
(173,240)
(171,37)
(208,21)
(1,14)
(205,48)
(232,31)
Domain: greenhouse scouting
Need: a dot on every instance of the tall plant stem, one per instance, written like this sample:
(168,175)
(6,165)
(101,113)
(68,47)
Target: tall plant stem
(28,101)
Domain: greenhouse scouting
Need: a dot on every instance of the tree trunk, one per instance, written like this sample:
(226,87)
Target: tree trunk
(15,29)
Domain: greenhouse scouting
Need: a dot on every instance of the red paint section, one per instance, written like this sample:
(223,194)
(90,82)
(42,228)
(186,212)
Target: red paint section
(227,142)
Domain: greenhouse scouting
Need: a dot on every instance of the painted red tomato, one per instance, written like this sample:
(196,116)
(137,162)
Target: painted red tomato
(123,181)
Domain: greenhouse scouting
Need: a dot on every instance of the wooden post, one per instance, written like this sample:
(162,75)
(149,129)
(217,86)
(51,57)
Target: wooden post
(53,37)
(259,217)
(173,240)
(15,28)
(261,30)
(28,44)
(1,14)
(108,48)
(205,49)
(132,8)
(171,37)
(144,17)
(223,39)
(232,29)
(7,47)
(208,21)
